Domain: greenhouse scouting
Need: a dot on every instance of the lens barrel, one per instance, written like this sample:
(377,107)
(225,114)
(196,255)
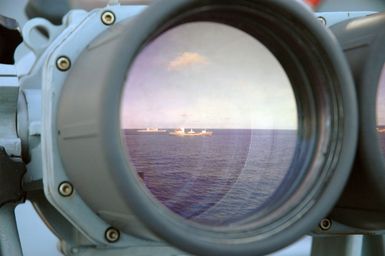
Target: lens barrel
(362,203)
(95,155)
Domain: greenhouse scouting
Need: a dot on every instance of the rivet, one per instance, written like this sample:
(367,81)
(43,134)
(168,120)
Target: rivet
(63,63)
(112,235)
(108,18)
(322,20)
(325,224)
(66,189)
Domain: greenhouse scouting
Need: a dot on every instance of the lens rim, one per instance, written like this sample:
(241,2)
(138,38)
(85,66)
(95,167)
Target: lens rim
(368,90)
(301,217)
(370,154)
(362,204)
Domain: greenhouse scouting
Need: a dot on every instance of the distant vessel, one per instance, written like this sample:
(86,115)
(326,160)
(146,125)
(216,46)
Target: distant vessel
(151,130)
(182,133)
(381,130)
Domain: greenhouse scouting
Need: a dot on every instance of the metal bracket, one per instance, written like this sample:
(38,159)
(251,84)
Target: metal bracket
(331,18)
(9,93)
(11,175)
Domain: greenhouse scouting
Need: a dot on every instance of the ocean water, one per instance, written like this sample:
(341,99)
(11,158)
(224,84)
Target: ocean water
(213,180)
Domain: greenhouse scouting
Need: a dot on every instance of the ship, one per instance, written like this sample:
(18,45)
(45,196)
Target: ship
(153,130)
(182,133)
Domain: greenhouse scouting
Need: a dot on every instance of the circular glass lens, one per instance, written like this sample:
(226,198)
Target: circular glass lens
(381,110)
(209,120)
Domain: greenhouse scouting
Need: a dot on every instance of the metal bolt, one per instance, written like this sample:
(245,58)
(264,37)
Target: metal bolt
(112,235)
(63,63)
(108,18)
(325,224)
(322,20)
(66,189)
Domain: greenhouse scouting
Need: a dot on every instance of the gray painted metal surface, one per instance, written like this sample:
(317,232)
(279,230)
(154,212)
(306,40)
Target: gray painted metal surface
(336,246)
(352,5)
(373,245)
(333,18)
(9,92)
(42,85)
(9,236)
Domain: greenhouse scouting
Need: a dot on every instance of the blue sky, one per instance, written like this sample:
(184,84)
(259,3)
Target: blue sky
(207,75)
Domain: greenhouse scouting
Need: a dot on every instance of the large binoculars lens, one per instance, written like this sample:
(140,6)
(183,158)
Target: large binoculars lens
(209,119)
(226,127)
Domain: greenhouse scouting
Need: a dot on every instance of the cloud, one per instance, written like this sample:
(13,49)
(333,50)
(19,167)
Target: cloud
(187,59)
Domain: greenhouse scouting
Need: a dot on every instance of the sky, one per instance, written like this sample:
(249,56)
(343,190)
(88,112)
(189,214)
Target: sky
(207,75)
(381,99)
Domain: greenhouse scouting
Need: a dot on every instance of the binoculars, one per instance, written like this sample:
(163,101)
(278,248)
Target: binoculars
(211,127)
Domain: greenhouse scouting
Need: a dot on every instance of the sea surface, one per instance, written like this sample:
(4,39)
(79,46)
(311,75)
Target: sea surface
(213,180)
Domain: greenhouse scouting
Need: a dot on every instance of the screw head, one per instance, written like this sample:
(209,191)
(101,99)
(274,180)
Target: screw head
(325,224)
(322,20)
(63,63)
(66,189)
(112,235)
(108,18)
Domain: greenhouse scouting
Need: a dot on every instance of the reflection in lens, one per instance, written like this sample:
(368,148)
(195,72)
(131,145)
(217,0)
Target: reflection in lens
(209,119)
(381,110)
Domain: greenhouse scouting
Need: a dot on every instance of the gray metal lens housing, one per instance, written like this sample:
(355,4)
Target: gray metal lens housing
(362,203)
(92,152)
